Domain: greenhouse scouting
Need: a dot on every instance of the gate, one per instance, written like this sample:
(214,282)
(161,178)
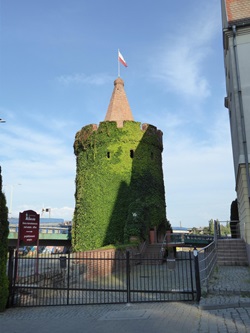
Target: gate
(100,278)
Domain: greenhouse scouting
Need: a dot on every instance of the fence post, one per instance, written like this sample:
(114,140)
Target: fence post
(68,277)
(128,275)
(10,276)
(197,275)
(215,231)
(14,277)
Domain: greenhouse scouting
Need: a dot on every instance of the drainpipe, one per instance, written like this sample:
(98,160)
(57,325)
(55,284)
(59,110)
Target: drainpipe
(244,140)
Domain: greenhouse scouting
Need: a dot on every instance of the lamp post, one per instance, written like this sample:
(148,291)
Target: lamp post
(11,197)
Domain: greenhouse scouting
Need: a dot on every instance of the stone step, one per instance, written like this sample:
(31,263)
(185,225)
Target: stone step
(230,241)
(231,249)
(231,252)
(232,263)
(232,258)
(153,248)
(152,254)
(231,246)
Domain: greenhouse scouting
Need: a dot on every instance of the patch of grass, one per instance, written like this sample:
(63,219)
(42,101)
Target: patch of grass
(120,246)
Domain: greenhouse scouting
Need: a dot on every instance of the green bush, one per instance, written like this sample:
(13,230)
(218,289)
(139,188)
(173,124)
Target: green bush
(136,223)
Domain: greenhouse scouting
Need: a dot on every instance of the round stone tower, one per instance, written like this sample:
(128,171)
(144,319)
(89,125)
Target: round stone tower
(119,179)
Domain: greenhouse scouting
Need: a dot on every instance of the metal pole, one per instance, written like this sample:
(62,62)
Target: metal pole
(215,231)
(15,278)
(68,277)
(10,276)
(118,64)
(128,276)
(197,275)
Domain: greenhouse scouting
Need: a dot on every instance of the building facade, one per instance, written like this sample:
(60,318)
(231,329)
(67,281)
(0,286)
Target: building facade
(236,44)
(119,179)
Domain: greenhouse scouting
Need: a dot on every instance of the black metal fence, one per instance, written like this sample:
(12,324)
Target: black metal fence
(101,277)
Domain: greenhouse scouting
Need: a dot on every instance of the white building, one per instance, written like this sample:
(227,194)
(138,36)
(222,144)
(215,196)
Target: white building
(236,44)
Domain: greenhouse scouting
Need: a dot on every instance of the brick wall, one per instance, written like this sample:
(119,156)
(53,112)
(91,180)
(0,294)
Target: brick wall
(103,262)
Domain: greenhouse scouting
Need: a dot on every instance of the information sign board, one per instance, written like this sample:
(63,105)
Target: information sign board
(29,226)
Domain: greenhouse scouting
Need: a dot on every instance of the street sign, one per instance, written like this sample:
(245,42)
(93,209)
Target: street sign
(29,227)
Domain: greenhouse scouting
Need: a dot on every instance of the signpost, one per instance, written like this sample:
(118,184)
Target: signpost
(29,227)
(28,231)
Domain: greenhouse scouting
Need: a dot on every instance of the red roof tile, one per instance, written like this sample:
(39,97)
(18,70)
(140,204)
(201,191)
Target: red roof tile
(238,11)
(119,109)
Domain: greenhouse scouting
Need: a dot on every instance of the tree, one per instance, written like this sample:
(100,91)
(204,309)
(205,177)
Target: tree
(4,232)
(211,227)
(234,218)
(225,229)
(206,231)
(194,231)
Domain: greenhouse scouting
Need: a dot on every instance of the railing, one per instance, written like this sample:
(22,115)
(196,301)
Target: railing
(174,239)
(228,229)
(207,257)
(46,229)
(198,239)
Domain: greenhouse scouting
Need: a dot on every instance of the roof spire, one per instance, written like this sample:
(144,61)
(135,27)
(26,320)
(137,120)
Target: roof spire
(119,109)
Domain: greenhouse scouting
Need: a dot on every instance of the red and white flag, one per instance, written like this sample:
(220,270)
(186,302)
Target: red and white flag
(121,59)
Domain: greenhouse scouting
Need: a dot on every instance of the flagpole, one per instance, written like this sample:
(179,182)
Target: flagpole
(118,64)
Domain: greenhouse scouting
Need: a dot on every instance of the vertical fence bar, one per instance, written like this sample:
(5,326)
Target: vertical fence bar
(15,278)
(191,273)
(10,275)
(197,275)
(128,276)
(68,277)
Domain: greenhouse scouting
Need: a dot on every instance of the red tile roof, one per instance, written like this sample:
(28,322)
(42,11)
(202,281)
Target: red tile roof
(119,109)
(238,11)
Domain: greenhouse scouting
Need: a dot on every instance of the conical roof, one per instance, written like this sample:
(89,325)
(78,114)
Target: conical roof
(119,109)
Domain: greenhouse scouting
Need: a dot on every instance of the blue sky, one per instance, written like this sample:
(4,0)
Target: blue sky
(58,62)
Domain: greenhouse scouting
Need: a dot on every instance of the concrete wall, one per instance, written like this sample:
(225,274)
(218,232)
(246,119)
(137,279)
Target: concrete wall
(237,71)
(236,90)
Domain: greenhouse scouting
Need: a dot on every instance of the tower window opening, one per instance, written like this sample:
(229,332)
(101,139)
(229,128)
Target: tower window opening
(108,154)
(132,153)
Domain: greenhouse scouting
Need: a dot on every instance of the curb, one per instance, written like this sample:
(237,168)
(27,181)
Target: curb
(225,306)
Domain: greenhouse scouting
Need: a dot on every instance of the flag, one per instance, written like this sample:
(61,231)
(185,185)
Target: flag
(121,59)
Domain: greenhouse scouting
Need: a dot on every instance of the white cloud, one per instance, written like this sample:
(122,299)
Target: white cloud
(43,162)
(180,64)
(181,71)
(65,212)
(199,177)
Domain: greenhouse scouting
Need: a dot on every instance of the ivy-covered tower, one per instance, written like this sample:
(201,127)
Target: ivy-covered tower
(119,179)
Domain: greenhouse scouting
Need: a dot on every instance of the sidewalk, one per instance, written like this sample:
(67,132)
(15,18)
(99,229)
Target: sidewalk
(229,287)
(226,308)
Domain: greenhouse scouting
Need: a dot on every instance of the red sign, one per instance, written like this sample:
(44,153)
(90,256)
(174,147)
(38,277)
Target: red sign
(29,226)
